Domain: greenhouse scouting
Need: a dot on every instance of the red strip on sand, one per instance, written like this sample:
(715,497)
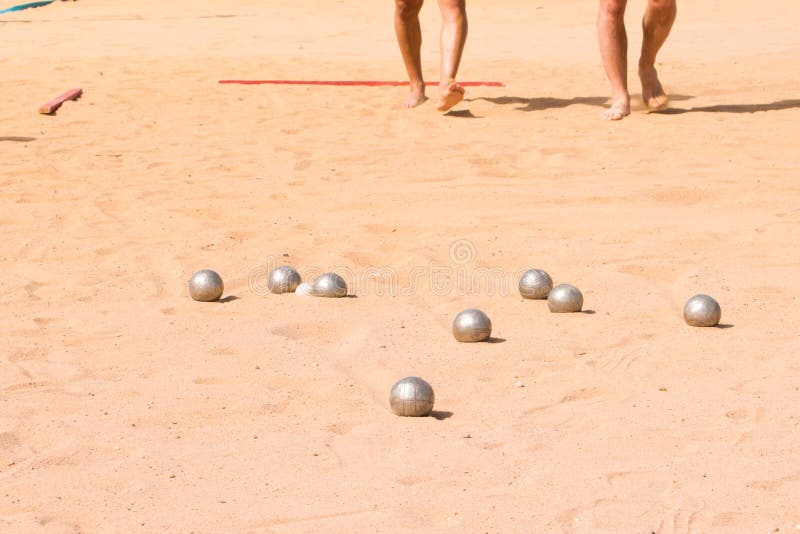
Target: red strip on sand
(54,104)
(366,83)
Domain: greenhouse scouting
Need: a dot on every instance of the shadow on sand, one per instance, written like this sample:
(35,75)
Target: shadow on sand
(462,113)
(542,103)
(734,108)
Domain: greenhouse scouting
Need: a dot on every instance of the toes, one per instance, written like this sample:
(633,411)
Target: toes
(613,114)
(657,102)
(452,89)
(453,96)
(414,101)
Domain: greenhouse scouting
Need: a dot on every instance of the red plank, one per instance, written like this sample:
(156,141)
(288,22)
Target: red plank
(366,83)
(54,104)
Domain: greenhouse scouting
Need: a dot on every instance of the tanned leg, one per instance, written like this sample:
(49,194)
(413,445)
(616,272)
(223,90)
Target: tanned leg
(613,42)
(409,37)
(453,38)
(656,25)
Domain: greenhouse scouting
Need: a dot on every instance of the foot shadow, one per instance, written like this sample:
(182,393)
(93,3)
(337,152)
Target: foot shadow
(542,103)
(724,326)
(229,298)
(733,108)
(17,139)
(440,415)
(495,340)
(462,113)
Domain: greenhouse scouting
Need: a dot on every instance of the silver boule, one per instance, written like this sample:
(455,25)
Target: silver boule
(205,286)
(411,397)
(535,284)
(565,298)
(329,285)
(283,279)
(472,326)
(702,310)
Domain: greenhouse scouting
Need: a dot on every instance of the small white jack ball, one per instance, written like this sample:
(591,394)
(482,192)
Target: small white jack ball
(305,289)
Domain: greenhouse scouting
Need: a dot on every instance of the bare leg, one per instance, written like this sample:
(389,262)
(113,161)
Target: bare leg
(453,38)
(614,51)
(409,37)
(657,23)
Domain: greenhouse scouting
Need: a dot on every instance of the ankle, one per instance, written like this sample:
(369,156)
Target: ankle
(620,96)
(646,66)
(446,83)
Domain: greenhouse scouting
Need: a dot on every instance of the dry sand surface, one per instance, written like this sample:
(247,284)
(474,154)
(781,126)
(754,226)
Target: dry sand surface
(127,407)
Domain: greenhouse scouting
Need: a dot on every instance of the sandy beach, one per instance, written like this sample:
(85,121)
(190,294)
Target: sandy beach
(125,406)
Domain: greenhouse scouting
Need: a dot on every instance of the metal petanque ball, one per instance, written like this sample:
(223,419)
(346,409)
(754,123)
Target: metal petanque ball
(702,310)
(535,284)
(329,285)
(205,286)
(565,298)
(283,279)
(411,397)
(471,326)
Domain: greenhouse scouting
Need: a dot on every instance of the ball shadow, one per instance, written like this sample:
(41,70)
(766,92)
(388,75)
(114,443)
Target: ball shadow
(229,298)
(440,415)
(723,326)
(588,312)
(493,340)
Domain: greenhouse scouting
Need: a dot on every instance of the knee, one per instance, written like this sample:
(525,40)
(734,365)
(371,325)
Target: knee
(613,9)
(662,6)
(407,9)
(453,9)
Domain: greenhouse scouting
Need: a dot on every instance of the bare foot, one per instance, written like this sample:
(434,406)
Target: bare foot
(450,94)
(619,109)
(652,92)
(416,97)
